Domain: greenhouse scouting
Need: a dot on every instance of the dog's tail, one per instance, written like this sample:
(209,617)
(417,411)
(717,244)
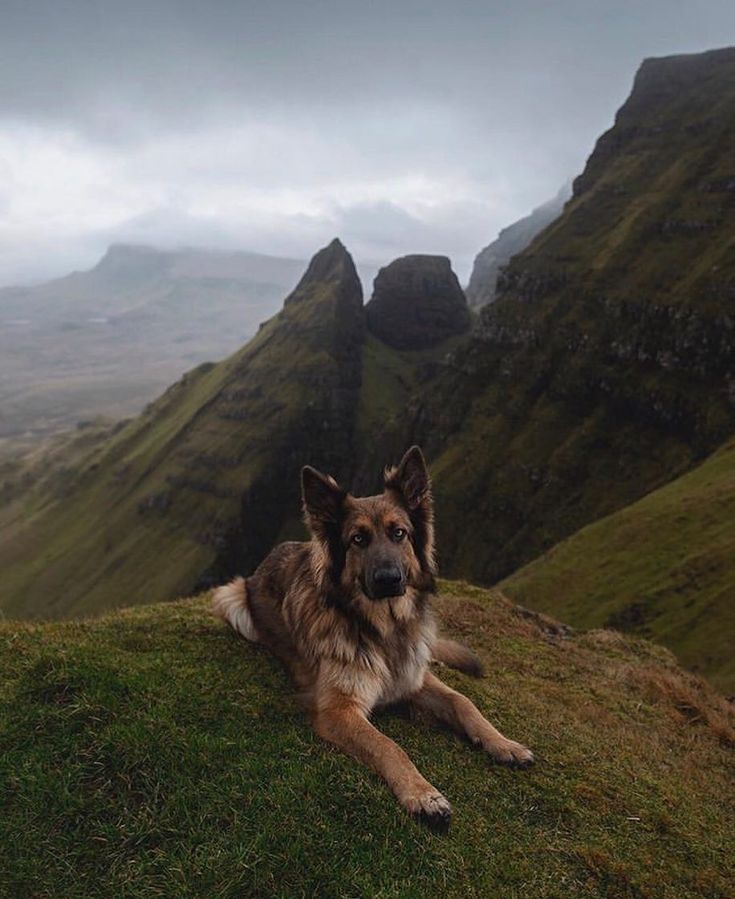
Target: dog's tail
(454,654)
(231,603)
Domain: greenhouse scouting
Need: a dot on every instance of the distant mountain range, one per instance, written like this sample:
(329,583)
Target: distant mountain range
(107,340)
(603,370)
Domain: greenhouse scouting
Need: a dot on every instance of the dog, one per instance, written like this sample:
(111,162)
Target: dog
(348,613)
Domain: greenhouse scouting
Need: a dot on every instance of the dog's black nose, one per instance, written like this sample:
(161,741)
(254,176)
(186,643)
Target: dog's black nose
(387,577)
(388,581)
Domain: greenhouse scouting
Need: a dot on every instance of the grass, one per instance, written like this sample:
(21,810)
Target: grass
(153,753)
(662,567)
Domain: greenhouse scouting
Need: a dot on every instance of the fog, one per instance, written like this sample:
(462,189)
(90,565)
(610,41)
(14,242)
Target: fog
(401,127)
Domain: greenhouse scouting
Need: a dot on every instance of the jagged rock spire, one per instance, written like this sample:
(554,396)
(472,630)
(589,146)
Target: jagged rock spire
(332,264)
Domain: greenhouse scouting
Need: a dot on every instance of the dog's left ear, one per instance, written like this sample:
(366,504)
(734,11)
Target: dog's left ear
(411,479)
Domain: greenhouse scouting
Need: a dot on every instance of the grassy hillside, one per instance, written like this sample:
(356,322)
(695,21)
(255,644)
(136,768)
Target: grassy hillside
(662,567)
(90,531)
(153,753)
(208,475)
(605,366)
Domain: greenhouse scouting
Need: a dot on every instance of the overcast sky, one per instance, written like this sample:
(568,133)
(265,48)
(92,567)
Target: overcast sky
(274,126)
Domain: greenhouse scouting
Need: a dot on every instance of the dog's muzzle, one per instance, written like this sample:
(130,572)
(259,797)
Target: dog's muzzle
(386,581)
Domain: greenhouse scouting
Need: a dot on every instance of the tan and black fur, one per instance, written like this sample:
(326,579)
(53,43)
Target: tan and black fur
(348,613)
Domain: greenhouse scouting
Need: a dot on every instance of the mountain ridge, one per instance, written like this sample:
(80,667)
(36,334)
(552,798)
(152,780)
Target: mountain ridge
(213,465)
(605,366)
(482,286)
(67,346)
(603,371)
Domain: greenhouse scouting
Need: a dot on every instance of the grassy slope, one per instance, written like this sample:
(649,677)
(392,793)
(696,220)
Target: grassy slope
(604,368)
(74,539)
(91,531)
(76,530)
(152,752)
(662,566)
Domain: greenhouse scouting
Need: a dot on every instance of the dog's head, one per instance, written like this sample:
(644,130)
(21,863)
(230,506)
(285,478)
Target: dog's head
(381,545)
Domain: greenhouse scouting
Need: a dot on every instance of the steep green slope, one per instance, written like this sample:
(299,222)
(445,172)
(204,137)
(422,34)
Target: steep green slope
(203,483)
(148,510)
(153,753)
(606,367)
(662,567)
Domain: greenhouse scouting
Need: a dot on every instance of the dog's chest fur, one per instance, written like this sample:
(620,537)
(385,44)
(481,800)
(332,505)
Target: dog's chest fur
(373,652)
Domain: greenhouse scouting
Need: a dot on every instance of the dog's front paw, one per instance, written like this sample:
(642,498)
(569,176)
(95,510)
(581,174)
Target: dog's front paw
(508,752)
(430,807)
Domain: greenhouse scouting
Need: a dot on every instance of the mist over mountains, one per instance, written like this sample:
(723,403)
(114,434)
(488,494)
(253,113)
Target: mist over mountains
(105,341)
(482,287)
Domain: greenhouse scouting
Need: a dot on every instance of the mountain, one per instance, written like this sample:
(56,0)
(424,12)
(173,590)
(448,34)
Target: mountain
(661,567)
(606,366)
(208,475)
(224,437)
(603,371)
(106,341)
(511,240)
(131,277)
(152,752)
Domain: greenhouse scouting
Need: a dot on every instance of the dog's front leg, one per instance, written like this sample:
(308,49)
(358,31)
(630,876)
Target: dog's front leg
(341,721)
(463,716)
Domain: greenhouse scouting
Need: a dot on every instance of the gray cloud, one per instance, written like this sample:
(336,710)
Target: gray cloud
(402,126)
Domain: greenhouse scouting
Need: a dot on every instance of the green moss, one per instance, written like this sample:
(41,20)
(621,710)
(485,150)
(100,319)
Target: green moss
(152,752)
(390,378)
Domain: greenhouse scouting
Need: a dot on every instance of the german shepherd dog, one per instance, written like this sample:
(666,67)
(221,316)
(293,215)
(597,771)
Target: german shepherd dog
(348,614)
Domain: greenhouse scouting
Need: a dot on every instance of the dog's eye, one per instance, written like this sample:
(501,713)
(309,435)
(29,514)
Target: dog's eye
(398,534)
(359,539)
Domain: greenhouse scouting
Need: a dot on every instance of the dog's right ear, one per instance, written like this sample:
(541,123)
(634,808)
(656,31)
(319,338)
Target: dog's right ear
(323,499)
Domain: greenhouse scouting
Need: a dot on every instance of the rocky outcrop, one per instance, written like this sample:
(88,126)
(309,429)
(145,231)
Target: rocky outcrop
(483,284)
(417,303)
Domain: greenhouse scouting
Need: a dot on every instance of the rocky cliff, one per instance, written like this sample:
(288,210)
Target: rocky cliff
(607,363)
(482,287)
